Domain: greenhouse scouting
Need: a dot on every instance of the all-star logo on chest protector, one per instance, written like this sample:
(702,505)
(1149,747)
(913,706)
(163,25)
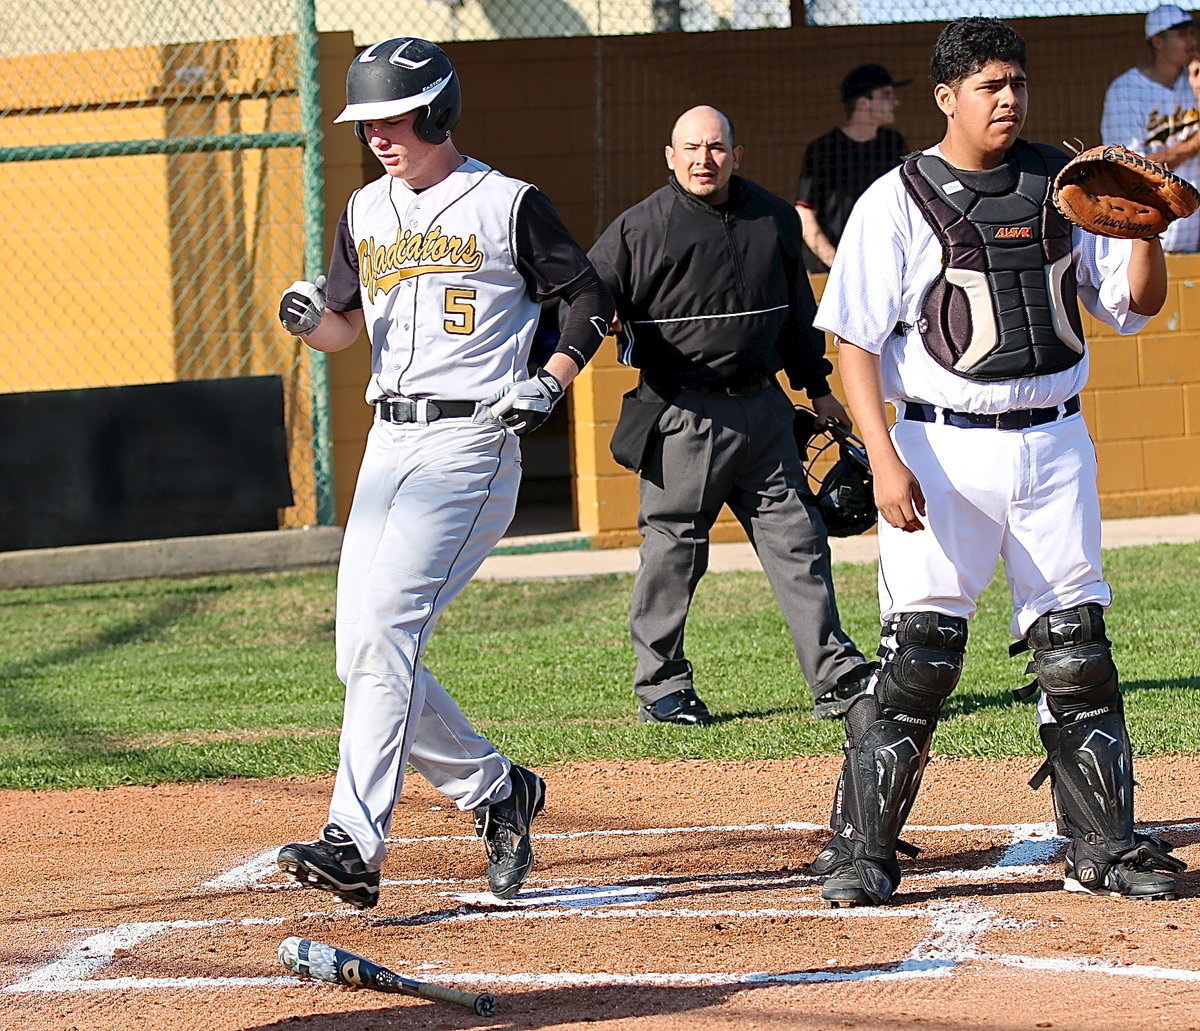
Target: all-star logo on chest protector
(1004,306)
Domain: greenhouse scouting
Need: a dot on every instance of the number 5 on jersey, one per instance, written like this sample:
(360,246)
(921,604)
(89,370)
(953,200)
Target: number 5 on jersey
(460,313)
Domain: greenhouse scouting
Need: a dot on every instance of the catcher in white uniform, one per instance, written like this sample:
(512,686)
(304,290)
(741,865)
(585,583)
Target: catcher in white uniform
(953,297)
(445,262)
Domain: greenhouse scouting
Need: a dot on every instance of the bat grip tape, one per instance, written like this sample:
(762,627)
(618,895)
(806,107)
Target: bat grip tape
(458,998)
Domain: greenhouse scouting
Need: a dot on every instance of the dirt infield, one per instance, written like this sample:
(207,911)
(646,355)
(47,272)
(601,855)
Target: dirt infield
(666,896)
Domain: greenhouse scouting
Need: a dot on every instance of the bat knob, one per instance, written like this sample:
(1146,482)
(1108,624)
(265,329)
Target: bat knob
(485,1005)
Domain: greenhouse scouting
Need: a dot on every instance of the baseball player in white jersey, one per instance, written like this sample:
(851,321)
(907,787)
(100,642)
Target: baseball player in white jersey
(445,262)
(953,298)
(1154,108)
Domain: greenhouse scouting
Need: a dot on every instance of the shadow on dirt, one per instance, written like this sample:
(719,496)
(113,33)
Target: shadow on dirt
(567,1006)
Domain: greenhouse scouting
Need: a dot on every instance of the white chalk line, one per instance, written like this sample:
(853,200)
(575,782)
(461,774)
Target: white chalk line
(125,984)
(247,874)
(825,913)
(78,966)
(792,825)
(958,927)
(1093,966)
(905,970)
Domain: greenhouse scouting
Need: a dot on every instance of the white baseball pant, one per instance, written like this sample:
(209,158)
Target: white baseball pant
(1025,496)
(431,502)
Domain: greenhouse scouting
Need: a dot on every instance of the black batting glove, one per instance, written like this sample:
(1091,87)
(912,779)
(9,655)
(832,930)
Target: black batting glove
(303,306)
(523,406)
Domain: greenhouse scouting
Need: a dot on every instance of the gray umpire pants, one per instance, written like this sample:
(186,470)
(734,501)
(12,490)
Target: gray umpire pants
(710,450)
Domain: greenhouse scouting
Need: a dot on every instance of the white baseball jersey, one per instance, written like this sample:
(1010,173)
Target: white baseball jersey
(450,280)
(1025,496)
(1147,117)
(447,311)
(897,257)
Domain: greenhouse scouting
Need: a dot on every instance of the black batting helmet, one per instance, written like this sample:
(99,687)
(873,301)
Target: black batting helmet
(844,492)
(401,75)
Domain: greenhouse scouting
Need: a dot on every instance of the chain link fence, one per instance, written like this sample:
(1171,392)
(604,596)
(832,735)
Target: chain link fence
(154,168)
(461,20)
(161,167)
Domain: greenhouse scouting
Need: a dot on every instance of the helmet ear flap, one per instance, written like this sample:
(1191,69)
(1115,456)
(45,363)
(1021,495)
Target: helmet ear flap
(435,123)
(361,133)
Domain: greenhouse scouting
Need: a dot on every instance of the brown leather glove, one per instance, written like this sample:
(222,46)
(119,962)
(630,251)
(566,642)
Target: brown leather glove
(1112,191)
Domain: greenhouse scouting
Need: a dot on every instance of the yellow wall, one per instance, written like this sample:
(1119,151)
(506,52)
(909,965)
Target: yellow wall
(348,165)
(1142,406)
(59,255)
(150,269)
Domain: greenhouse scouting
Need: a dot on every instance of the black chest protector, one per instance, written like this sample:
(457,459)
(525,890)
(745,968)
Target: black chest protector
(1004,305)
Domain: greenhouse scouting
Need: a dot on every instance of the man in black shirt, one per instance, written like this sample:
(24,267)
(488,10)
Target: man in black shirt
(713,301)
(840,165)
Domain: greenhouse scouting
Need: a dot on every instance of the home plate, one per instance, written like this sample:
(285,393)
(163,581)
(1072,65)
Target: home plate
(583,896)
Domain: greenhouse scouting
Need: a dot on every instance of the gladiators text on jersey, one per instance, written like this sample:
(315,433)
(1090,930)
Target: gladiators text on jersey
(380,267)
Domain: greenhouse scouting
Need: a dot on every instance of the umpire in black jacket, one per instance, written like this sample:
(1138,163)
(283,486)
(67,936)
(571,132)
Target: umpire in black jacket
(712,301)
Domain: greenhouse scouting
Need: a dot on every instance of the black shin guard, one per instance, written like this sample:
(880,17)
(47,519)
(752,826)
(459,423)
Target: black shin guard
(1091,777)
(884,762)
(888,735)
(1089,761)
(1091,782)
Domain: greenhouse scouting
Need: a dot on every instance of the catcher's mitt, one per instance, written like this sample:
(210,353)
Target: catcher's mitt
(1111,191)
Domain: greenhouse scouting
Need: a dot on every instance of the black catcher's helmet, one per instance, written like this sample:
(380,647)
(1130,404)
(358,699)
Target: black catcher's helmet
(401,75)
(845,494)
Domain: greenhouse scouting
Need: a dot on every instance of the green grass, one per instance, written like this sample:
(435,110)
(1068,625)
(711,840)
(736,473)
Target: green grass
(163,680)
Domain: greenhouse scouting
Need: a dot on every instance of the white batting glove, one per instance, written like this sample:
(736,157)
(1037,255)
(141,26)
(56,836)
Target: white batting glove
(303,306)
(526,404)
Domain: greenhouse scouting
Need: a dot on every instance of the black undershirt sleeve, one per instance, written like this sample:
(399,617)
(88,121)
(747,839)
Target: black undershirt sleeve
(554,266)
(342,288)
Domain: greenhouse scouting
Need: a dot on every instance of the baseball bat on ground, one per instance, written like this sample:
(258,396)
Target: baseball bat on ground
(325,963)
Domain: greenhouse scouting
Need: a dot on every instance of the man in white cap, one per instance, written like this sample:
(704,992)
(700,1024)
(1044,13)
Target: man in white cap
(1154,108)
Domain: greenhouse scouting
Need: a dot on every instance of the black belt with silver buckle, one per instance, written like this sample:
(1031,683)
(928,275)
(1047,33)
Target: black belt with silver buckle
(409,410)
(741,389)
(1021,419)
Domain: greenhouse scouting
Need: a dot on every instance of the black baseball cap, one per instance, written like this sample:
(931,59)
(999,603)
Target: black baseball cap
(867,77)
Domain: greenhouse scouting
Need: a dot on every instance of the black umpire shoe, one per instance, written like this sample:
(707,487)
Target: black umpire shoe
(836,702)
(683,708)
(504,828)
(332,863)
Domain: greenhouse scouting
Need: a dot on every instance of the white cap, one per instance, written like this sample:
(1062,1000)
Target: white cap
(1166,16)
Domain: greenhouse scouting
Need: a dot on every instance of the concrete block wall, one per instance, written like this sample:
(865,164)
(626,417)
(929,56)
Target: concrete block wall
(585,119)
(1143,405)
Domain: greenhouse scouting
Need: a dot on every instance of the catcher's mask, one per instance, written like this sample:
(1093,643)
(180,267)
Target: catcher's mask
(845,493)
(401,75)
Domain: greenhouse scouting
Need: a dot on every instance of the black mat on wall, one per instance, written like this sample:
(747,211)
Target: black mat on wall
(142,463)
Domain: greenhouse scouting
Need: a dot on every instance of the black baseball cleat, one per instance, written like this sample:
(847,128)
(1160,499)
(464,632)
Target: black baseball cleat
(504,828)
(683,708)
(1143,872)
(836,702)
(861,882)
(332,863)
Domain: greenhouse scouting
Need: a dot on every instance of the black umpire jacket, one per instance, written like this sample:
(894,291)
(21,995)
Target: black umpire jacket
(713,296)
